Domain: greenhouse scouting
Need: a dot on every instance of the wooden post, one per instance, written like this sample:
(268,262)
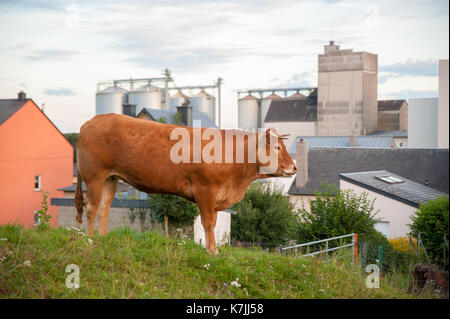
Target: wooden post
(355,247)
(166,226)
(409,249)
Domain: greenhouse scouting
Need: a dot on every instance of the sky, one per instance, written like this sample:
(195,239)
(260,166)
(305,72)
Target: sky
(57,51)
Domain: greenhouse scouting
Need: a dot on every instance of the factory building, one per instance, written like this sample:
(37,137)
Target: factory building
(347,95)
(392,115)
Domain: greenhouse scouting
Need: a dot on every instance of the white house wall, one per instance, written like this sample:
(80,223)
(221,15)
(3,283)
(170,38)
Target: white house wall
(395,212)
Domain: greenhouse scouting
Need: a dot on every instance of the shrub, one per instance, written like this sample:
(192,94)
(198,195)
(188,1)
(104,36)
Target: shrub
(336,212)
(179,211)
(263,216)
(431,220)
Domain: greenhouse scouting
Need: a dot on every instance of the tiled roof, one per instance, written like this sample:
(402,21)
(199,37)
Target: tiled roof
(291,110)
(390,105)
(8,107)
(343,141)
(408,191)
(401,133)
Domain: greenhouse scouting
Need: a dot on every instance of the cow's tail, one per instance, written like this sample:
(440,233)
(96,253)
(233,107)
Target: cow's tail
(79,199)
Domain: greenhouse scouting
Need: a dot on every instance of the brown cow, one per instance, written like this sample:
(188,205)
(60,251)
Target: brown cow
(112,147)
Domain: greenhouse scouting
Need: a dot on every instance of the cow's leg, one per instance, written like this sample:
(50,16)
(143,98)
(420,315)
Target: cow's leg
(108,192)
(206,203)
(94,194)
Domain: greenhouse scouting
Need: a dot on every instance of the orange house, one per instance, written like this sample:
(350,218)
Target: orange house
(34,156)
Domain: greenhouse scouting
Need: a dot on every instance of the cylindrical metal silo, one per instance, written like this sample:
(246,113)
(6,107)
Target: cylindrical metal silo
(265,105)
(248,113)
(110,100)
(204,103)
(177,100)
(146,96)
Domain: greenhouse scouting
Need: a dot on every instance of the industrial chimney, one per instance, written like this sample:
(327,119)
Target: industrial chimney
(302,163)
(129,109)
(186,113)
(22,96)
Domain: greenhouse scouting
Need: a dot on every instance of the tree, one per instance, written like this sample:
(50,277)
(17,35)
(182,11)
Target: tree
(336,212)
(264,216)
(178,118)
(431,220)
(173,209)
(72,139)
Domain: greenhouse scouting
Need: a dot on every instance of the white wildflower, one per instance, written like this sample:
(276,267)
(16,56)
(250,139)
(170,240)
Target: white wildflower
(67,228)
(90,241)
(246,291)
(235,283)
(81,233)
(2,258)
(76,228)
(321,290)
(27,263)
(206,266)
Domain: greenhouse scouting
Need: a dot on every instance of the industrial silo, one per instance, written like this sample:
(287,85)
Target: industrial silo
(248,113)
(177,100)
(265,105)
(204,103)
(110,100)
(146,96)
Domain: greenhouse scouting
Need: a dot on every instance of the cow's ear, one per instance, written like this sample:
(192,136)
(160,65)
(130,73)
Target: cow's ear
(271,132)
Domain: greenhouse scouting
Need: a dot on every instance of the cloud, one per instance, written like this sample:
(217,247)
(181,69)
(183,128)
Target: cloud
(412,94)
(414,68)
(50,55)
(59,92)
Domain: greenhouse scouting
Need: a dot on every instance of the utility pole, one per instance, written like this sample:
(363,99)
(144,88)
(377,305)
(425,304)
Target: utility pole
(166,89)
(219,98)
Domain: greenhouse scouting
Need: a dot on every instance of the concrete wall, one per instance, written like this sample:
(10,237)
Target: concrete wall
(221,231)
(118,217)
(423,123)
(395,212)
(443,128)
(302,201)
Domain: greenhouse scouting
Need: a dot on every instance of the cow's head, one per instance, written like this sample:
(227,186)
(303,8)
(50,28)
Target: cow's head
(273,158)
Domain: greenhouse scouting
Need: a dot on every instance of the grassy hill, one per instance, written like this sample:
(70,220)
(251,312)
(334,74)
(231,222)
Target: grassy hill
(128,264)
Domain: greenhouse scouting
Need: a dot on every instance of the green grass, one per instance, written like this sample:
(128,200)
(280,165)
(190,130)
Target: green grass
(128,264)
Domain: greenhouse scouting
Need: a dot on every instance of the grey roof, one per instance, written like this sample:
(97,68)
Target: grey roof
(390,105)
(156,114)
(342,141)
(408,192)
(291,110)
(8,107)
(401,133)
(424,166)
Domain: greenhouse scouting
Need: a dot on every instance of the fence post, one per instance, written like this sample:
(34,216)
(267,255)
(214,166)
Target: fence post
(355,247)
(280,249)
(380,257)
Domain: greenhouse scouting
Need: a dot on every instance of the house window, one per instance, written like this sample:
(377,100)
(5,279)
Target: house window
(383,227)
(37,182)
(37,220)
(390,179)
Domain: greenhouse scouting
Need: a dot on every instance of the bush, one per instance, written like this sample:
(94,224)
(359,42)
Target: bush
(338,212)
(263,216)
(179,211)
(431,220)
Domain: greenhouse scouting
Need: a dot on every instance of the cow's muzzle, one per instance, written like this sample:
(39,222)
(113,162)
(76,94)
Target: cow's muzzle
(289,172)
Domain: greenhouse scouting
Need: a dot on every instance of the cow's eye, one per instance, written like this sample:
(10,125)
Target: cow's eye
(277,148)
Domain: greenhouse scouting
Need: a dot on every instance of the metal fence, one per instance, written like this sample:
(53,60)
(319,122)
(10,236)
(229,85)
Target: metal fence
(353,244)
